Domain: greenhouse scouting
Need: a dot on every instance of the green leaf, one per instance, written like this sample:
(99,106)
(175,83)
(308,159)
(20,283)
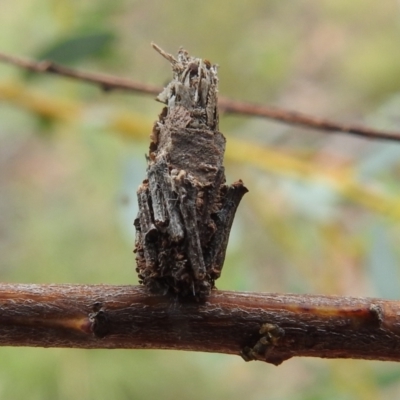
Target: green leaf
(76,48)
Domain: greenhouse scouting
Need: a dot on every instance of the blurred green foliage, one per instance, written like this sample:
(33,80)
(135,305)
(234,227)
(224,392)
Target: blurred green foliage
(76,48)
(321,217)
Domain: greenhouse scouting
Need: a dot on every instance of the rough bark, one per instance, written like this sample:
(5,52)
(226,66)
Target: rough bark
(266,327)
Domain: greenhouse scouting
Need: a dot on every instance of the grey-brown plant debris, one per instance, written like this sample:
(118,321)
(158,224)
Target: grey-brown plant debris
(186,210)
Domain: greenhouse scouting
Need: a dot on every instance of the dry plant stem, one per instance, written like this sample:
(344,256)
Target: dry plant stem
(108,82)
(266,327)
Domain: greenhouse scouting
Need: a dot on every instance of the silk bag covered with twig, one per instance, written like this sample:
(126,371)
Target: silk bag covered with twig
(185,208)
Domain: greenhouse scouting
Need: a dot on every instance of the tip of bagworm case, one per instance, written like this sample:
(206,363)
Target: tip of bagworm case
(166,55)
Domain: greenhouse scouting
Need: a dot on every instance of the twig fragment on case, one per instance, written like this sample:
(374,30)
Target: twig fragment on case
(186,210)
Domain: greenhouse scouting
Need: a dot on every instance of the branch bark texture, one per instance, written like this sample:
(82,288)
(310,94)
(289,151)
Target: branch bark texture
(266,327)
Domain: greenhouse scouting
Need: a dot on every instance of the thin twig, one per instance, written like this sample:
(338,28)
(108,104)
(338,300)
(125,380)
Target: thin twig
(265,327)
(300,119)
(108,82)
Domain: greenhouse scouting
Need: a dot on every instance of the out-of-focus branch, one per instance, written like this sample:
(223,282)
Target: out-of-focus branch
(108,82)
(300,119)
(266,327)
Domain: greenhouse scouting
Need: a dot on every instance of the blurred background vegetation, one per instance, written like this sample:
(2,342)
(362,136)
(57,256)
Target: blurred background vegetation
(322,215)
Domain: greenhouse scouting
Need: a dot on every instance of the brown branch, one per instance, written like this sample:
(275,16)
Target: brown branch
(300,119)
(108,82)
(267,327)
